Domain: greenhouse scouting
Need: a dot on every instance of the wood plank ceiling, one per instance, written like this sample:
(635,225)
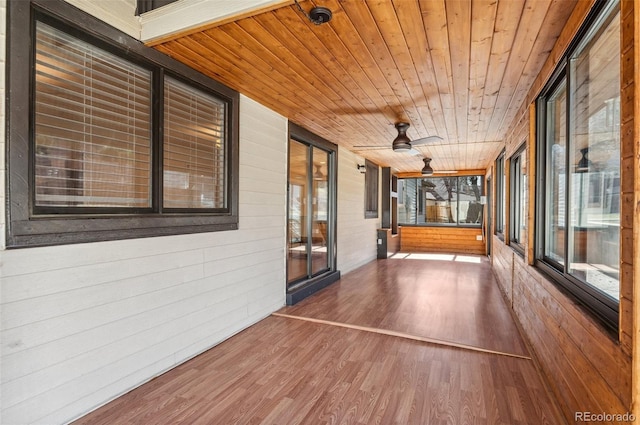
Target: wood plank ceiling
(457,69)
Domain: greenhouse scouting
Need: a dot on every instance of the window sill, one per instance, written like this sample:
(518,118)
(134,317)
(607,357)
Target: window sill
(605,316)
(60,231)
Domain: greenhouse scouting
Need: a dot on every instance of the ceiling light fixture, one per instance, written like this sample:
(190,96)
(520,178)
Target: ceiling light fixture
(318,15)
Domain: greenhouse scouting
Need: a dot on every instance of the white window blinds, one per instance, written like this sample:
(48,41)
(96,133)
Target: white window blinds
(194,154)
(92,125)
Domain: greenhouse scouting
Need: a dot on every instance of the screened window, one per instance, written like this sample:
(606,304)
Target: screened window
(579,115)
(518,197)
(501,187)
(453,201)
(109,139)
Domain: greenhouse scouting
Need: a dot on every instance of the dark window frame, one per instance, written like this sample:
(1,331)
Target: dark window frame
(371,189)
(602,308)
(24,228)
(313,141)
(144,6)
(516,185)
(500,197)
(457,224)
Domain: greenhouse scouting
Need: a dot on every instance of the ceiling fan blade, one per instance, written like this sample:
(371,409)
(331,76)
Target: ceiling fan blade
(425,140)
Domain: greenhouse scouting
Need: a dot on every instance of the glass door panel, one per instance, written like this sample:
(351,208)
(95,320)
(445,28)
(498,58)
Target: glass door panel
(297,230)
(320,204)
(556,174)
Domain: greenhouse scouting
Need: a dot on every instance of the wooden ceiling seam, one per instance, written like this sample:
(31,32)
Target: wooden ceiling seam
(396,94)
(395,38)
(457,69)
(335,63)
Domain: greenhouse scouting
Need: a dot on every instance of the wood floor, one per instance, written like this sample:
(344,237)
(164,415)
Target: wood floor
(329,361)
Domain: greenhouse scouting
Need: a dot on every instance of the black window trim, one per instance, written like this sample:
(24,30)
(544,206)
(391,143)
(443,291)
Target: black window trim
(514,198)
(602,308)
(23,228)
(500,197)
(456,224)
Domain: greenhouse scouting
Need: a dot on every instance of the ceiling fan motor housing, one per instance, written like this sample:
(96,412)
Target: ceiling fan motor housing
(427,170)
(402,142)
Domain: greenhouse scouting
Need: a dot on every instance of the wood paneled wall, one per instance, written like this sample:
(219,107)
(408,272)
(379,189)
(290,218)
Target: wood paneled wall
(635,384)
(442,239)
(586,367)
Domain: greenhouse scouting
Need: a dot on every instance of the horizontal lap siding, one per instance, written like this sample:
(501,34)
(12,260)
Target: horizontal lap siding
(586,369)
(441,239)
(356,235)
(84,323)
(503,267)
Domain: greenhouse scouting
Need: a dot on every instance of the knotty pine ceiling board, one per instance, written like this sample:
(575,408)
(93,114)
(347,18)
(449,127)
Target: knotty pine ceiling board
(457,69)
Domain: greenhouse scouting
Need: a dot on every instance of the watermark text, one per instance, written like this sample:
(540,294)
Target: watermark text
(604,417)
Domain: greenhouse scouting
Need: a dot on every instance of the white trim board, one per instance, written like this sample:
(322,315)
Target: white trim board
(189,14)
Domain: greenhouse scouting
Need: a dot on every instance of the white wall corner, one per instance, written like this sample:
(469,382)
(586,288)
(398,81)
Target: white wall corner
(120,14)
(184,15)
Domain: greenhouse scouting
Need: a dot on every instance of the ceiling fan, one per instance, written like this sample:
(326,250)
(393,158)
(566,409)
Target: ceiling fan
(402,143)
(427,170)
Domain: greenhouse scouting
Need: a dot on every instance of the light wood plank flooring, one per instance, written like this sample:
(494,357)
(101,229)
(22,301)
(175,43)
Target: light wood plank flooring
(290,370)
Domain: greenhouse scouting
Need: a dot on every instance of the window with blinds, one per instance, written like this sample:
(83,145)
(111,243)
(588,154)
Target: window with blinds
(92,125)
(108,138)
(194,154)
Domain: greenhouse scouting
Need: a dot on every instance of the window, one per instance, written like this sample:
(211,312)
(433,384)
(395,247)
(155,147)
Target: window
(109,139)
(193,158)
(92,117)
(371,190)
(501,187)
(441,201)
(518,197)
(579,157)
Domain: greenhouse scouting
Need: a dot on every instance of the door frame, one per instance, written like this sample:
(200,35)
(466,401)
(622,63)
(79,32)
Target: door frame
(301,289)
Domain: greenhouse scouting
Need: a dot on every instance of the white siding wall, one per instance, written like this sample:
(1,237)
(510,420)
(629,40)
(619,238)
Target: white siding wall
(84,323)
(118,13)
(356,235)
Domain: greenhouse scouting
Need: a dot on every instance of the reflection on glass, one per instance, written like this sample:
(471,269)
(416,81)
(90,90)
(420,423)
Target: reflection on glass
(594,215)
(308,211)
(440,197)
(319,258)
(469,207)
(519,194)
(555,202)
(297,229)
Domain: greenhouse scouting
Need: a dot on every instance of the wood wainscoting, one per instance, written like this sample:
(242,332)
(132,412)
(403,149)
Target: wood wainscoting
(454,240)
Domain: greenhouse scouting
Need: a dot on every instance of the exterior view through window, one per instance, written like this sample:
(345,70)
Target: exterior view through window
(452,201)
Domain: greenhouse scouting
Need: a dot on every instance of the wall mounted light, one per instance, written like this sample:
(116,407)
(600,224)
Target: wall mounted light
(362,168)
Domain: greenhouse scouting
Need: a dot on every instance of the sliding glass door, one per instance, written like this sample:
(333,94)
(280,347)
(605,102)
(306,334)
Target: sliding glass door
(310,212)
